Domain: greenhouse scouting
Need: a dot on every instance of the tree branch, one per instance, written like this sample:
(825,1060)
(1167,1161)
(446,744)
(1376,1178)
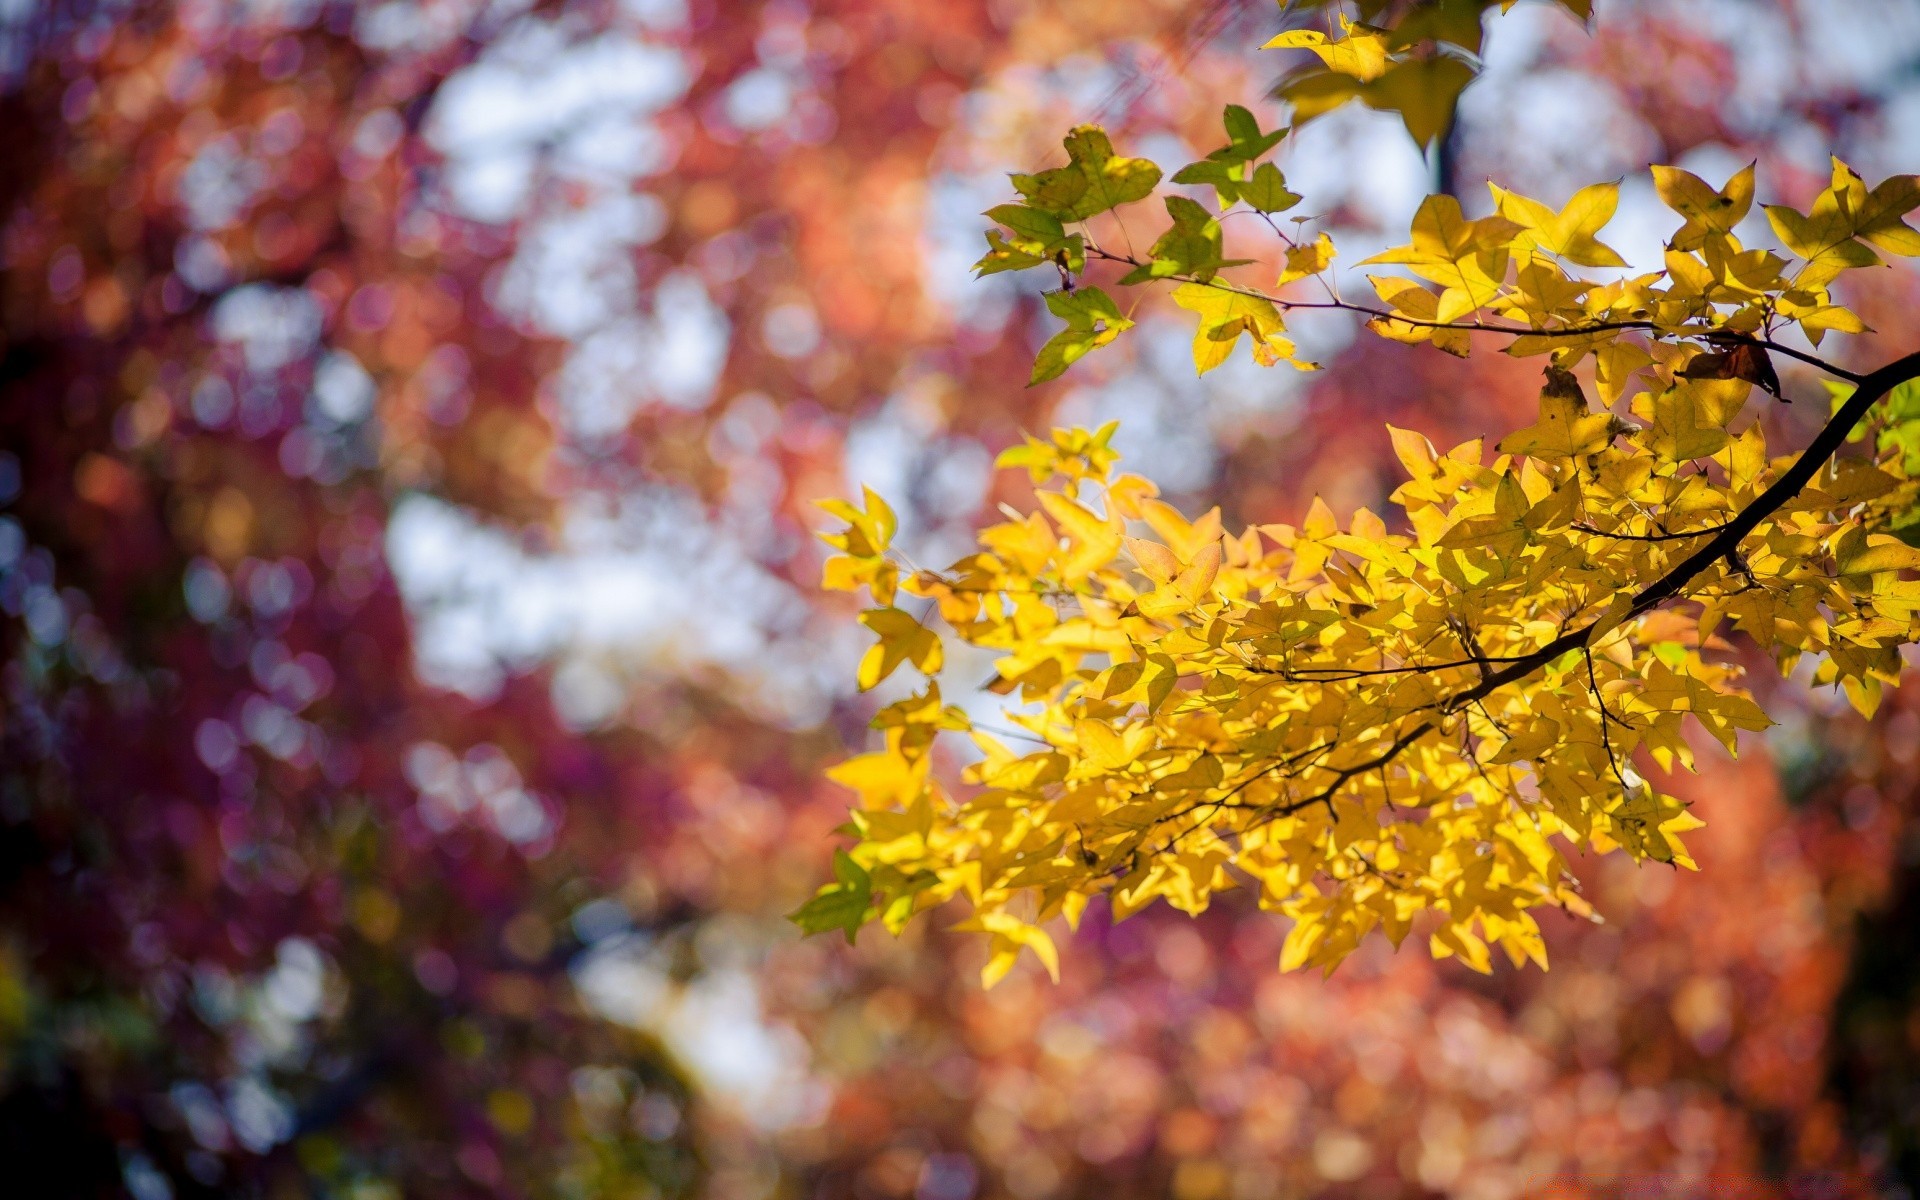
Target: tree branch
(1726,541)
(1716,336)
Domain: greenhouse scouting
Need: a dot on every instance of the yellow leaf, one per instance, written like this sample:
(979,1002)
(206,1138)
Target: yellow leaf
(1708,213)
(1681,431)
(1570,232)
(1362,53)
(1308,258)
(1880,552)
(1566,428)
(902,639)
(1224,316)
(1156,561)
(1095,541)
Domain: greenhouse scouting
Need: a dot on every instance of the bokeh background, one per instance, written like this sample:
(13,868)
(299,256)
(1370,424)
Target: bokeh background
(415,695)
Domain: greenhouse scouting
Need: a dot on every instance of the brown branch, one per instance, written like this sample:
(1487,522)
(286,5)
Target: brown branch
(1342,674)
(1718,336)
(1649,537)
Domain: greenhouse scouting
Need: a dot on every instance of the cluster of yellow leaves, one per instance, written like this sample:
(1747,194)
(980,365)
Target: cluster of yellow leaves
(1382,725)
(1511,273)
(1516,272)
(1364,722)
(1315,711)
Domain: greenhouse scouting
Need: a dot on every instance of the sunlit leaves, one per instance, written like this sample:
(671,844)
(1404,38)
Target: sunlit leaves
(1832,235)
(1468,259)
(864,544)
(1360,51)
(1414,316)
(1899,434)
(1334,712)
(1514,272)
(1066,454)
(1034,237)
(902,639)
(1416,66)
(1569,233)
(1190,248)
(1389,723)
(1308,258)
(1267,191)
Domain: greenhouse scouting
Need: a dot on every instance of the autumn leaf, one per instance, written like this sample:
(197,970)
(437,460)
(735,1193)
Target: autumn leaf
(1224,316)
(1094,180)
(1092,321)
(1708,213)
(841,905)
(902,639)
(1568,233)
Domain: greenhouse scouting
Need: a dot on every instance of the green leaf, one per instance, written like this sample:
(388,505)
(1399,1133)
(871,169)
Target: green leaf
(1190,247)
(1002,255)
(1906,527)
(1037,237)
(1267,190)
(1094,180)
(1224,178)
(1902,428)
(1031,224)
(840,905)
(1228,168)
(1245,141)
(1453,21)
(1092,321)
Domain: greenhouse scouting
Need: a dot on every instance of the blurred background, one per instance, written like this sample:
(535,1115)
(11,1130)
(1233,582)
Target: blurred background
(414,692)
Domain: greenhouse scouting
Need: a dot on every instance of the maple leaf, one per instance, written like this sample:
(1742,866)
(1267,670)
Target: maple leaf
(1423,91)
(1224,316)
(1568,233)
(864,542)
(1037,237)
(1708,213)
(1567,427)
(1360,53)
(1230,168)
(1266,190)
(1466,258)
(1308,258)
(1420,309)
(1092,321)
(902,639)
(1093,181)
(841,905)
(1191,247)
(1373,720)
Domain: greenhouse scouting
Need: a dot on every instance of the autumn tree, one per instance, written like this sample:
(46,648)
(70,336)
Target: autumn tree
(1388,723)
